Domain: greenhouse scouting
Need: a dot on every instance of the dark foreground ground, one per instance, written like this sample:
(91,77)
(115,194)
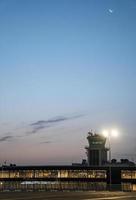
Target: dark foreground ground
(67,195)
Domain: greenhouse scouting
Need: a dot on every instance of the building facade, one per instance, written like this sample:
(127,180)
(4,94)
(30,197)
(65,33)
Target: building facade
(29,178)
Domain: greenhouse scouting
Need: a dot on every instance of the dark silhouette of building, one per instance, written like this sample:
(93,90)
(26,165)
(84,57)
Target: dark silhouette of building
(96,151)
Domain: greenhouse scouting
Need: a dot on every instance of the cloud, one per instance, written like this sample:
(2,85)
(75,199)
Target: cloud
(37,128)
(49,121)
(9,136)
(6,138)
(42,124)
(46,142)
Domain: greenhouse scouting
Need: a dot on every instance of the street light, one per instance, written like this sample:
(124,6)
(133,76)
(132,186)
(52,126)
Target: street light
(108,134)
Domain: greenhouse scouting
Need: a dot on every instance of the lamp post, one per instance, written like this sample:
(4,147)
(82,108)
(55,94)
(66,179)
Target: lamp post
(108,134)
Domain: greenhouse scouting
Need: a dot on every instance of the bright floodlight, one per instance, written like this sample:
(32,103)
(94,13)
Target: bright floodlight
(114,133)
(105,133)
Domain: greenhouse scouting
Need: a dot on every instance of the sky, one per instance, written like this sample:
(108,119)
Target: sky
(66,67)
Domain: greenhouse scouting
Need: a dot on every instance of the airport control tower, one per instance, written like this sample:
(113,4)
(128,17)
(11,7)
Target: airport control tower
(96,151)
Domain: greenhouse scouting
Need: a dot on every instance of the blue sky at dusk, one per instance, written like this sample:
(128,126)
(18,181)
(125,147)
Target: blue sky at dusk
(66,66)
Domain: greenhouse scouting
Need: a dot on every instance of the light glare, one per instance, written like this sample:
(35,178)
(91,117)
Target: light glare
(114,133)
(105,133)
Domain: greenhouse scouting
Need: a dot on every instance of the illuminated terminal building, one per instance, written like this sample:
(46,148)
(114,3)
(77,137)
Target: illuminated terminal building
(97,174)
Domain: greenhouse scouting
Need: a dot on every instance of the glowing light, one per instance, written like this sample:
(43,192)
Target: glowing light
(110,133)
(105,133)
(114,133)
